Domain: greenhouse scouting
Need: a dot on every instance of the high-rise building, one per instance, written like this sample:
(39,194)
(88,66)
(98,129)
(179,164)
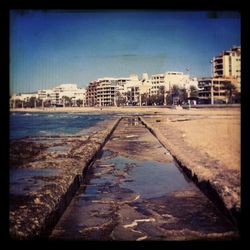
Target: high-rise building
(91,93)
(228,65)
(106,93)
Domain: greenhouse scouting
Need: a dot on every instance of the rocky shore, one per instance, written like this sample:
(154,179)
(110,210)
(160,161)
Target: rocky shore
(34,211)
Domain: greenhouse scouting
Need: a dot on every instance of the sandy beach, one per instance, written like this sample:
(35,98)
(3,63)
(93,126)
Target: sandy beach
(207,143)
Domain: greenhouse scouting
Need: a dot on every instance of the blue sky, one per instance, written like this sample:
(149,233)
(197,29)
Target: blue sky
(54,47)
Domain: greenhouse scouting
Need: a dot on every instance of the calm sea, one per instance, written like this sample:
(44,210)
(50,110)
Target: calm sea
(43,124)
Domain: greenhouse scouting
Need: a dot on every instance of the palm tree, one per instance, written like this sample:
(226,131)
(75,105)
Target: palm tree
(152,99)
(18,103)
(128,95)
(120,100)
(67,101)
(32,102)
(79,102)
(39,102)
(174,94)
(144,98)
(193,91)
(230,90)
(47,103)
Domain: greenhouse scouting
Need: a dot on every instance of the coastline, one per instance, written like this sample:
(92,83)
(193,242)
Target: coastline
(136,109)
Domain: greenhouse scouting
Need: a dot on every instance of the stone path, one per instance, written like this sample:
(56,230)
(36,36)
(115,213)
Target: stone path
(135,191)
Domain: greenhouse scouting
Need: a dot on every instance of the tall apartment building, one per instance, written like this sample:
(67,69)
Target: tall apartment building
(103,91)
(226,69)
(91,94)
(228,65)
(106,93)
(157,81)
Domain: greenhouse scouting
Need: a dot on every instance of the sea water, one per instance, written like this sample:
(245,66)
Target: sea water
(45,124)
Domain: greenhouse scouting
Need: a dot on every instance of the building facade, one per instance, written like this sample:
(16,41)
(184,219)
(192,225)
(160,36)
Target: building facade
(24,97)
(157,81)
(226,70)
(228,65)
(56,95)
(213,90)
(106,93)
(91,94)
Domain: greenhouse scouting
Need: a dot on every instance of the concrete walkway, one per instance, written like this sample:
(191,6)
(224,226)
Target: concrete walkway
(135,191)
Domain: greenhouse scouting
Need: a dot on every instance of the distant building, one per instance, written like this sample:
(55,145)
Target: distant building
(179,79)
(228,65)
(55,96)
(44,94)
(91,94)
(226,69)
(213,90)
(157,81)
(23,97)
(67,90)
(169,79)
(106,93)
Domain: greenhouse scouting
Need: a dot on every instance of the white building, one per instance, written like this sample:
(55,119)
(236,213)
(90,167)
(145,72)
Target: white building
(106,93)
(55,95)
(176,78)
(108,87)
(157,81)
(135,88)
(24,97)
(169,79)
(67,90)
(44,94)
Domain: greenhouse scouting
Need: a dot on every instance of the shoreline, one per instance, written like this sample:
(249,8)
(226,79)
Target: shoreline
(132,109)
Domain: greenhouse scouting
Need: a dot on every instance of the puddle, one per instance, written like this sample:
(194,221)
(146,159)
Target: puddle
(133,121)
(23,181)
(107,154)
(150,178)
